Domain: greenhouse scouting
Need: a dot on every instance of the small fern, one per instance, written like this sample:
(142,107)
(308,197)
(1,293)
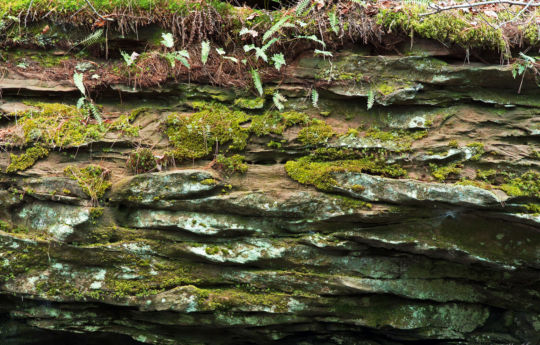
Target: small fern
(314,39)
(301,6)
(93,38)
(322,52)
(279,60)
(279,99)
(167,40)
(257,81)
(275,28)
(333,22)
(315,98)
(78,80)
(205,51)
(370,99)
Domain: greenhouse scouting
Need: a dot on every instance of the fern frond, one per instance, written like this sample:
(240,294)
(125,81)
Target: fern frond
(371,99)
(313,38)
(279,99)
(167,40)
(279,60)
(275,28)
(301,6)
(205,51)
(257,81)
(93,38)
(322,52)
(315,98)
(333,22)
(78,80)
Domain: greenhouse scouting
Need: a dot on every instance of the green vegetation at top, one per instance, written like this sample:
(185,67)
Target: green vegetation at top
(66,6)
(468,29)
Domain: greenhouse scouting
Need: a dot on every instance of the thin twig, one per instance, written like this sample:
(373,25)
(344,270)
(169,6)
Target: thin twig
(517,15)
(28,12)
(516,3)
(96,12)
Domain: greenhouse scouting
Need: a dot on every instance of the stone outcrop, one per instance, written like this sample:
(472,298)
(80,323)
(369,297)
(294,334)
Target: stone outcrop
(413,222)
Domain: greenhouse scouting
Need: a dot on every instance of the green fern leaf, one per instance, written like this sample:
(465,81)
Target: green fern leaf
(78,80)
(371,99)
(167,40)
(322,52)
(313,38)
(205,51)
(279,60)
(93,38)
(333,22)
(279,99)
(257,81)
(301,6)
(275,28)
(315,98)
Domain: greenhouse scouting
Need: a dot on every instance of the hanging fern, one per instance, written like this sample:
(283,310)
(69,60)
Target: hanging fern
(370,99)
(257,81)
(275,28)
(315,98)
(205,51)
(301,6)
(333,22)
(279,99)
(167,40)
(93,38)
(322,52)
(78,80)
(279,60)
(313,38)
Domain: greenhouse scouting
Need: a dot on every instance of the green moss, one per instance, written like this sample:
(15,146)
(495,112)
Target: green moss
(533,209)
(56,126)
(528,184)
(486,175)
(446,27)
(442,173)
(93,179)
(209,182)
(316,133)
(321,174)
(123,124)
(402,139)
(453,144)
(27,159)
(232,164)
(214,125)
(249,103)
(275,122)
(479,148)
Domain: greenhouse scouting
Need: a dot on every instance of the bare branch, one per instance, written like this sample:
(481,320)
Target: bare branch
(476,4)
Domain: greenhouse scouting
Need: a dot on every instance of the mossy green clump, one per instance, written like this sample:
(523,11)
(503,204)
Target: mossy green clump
(453,144)
(533,209)
(479,149)
(56,125)
(27,159)
(141,160)
(273,122)
(249,103)
(446,27)
(93,179)
(316,133)
(212,126)
(227,299)
(124,124)
(232,164)
(528,184)
(442,173)
(321,174)
(402,139)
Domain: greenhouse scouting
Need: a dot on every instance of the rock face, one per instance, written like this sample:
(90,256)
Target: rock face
(415,222)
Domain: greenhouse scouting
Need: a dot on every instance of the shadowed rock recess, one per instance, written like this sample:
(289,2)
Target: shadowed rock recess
(200,214)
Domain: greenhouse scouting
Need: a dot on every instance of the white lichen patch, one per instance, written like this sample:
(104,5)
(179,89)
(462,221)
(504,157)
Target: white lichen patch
(240,253)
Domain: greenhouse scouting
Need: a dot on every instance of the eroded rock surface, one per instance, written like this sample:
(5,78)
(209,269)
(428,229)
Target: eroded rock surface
(413,222)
